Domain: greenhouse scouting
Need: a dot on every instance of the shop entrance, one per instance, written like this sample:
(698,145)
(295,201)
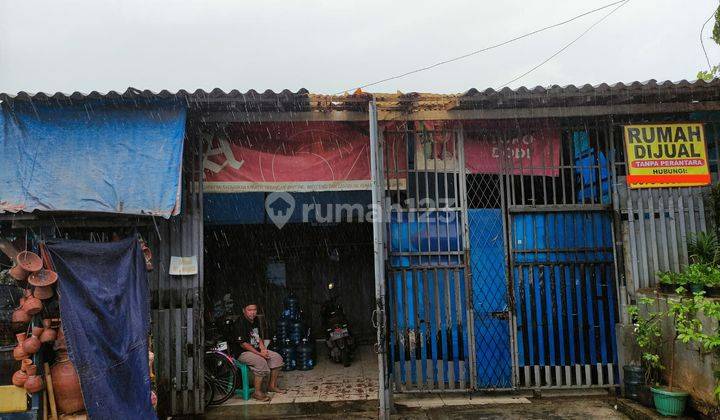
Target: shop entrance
(288,227)
(302,264)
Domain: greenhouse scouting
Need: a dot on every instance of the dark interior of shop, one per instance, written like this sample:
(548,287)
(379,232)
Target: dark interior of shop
(259,263)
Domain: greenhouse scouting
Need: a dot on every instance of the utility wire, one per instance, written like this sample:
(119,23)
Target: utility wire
(566,45)
(702,42)
(440,63)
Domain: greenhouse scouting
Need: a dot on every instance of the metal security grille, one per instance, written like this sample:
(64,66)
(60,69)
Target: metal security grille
(428,293)
(488,265)
(542,212)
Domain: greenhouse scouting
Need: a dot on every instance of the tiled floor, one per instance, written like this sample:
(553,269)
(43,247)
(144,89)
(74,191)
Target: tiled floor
(328,381)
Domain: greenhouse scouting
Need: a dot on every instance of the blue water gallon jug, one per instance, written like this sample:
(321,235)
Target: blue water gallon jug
(304,352)
(289,355)
(296,332)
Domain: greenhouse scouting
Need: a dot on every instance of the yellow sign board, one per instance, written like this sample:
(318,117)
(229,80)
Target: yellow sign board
(666,155)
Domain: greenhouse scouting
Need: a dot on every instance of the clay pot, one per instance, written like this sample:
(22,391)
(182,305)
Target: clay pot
(19,353)
(29,261)
(19,378)
(20,337)
(60,344)
(31,345)
(43,292)
(42,278)
(32,305)
(47,322)
(34,382)
(36,331)
(25,364)
(21,316)
(48,335)
(18,273)
(66,385)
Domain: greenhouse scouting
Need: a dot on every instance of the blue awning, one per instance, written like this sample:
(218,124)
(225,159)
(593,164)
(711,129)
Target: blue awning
(99,156)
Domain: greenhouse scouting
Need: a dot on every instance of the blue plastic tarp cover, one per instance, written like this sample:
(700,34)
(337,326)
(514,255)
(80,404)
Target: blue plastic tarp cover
(105,311)
(93,157)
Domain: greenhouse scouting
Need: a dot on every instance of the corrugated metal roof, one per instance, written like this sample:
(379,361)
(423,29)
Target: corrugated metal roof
(522,97)
(133,93)
(600,94)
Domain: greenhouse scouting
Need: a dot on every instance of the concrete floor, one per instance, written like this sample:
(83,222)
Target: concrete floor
(328,381)
(331,391)
(486,407)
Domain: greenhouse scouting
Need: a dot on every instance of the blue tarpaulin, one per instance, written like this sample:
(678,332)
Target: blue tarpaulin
(93,157)
(105,311)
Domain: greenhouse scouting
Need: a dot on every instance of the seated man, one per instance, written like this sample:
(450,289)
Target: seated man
(250,349)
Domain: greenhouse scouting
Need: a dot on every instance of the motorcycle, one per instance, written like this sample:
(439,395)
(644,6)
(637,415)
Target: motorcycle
(339,340)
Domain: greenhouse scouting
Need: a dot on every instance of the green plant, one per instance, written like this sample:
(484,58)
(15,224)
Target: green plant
(648,336)
(704,274)
(688,328)
(696,273)
(703,248)
(671,278)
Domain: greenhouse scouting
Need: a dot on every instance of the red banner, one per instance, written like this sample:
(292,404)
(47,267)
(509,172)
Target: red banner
(535,153)
(313,156)
(324,156)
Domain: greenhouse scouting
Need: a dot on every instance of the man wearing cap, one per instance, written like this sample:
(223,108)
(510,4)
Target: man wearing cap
(250,349)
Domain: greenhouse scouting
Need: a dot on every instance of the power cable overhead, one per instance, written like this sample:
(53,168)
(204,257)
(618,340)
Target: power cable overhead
(702,42)
(558,52)
(470,54)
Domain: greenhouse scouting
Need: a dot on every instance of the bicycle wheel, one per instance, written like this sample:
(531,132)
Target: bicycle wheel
(209,393)
(220,374)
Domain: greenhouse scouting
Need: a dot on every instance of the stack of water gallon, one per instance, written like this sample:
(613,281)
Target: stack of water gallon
(293,338)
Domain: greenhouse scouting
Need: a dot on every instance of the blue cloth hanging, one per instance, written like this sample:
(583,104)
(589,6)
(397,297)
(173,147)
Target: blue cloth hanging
(105,311)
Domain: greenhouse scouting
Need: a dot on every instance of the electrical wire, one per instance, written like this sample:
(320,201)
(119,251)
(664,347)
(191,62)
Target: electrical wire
(566,45)
(702,42)
(470,54)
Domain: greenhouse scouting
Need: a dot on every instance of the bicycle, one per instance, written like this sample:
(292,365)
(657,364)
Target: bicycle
(220,374)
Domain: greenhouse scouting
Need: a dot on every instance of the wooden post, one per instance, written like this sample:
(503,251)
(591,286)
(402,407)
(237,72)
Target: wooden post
(50,392)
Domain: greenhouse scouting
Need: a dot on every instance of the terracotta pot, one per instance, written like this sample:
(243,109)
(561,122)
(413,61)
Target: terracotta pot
(36,331)
(31,345)
(31,370)
(60,344)
(18,273)
(22,301)
(20,337)
(48,335)
(42,278)
(21,316)
(66,385)
(19,378)
(19,353)
(47,322)
(25,364)
(34,382)
(32,305)
(43,292)
(29,261)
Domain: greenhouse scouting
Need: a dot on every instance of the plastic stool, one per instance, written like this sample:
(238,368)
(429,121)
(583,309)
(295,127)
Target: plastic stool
(244,390)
